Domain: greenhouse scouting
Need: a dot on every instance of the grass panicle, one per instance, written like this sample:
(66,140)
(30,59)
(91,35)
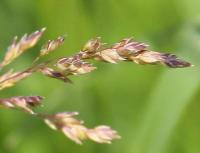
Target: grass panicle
(126,50)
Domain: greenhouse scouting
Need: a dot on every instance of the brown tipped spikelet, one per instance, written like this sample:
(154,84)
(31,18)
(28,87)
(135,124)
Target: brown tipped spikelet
(92,45)
(51,45)
(74,66)
(23,103)
(54,74)
(126,50)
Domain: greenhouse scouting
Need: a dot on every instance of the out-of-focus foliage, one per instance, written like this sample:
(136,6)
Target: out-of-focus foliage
(155,110)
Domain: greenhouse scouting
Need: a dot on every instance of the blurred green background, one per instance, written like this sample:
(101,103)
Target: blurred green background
(155,109)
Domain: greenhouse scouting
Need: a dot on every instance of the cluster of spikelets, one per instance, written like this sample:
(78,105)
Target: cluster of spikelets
(126,50)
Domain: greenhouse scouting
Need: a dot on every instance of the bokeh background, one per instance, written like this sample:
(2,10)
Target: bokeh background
(155,109)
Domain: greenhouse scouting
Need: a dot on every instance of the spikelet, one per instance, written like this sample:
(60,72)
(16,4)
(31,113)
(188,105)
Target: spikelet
(76,131)
(17,48)
(10,78)
(74,66)
(50,46)
(24,103)
(54,74)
